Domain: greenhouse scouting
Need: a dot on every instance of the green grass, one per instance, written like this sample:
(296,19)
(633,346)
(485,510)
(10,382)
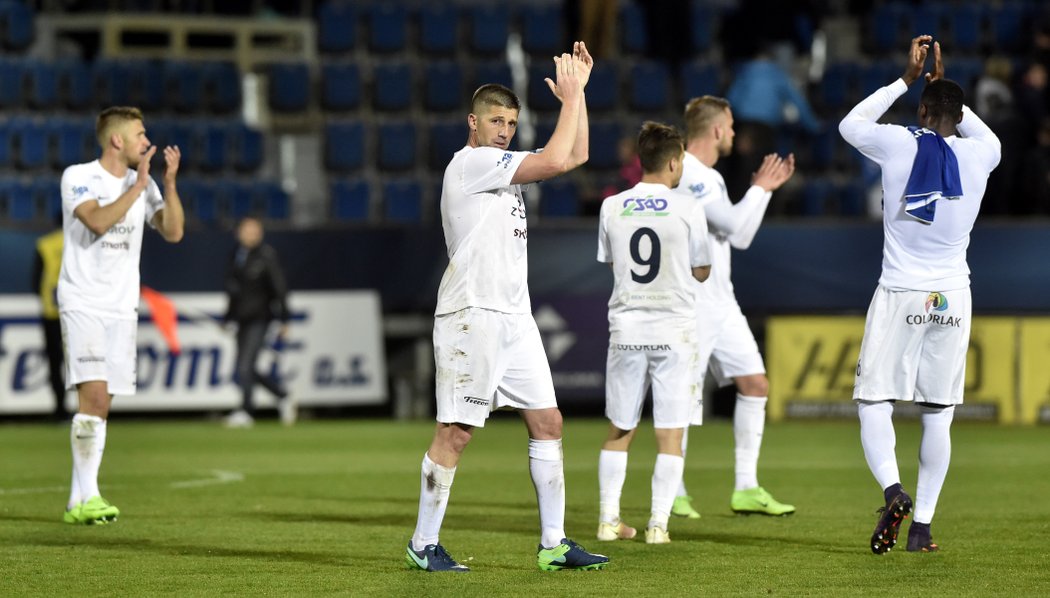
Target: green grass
(327,508)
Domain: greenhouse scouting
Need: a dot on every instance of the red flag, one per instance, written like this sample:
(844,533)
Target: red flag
(165,317)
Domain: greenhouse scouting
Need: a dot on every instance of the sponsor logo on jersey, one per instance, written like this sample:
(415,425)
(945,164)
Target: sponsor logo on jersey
(936,301)
(698,189)
(622,347)
(78,191)
(91,359)
(644,206)
(476,401)
(505,160)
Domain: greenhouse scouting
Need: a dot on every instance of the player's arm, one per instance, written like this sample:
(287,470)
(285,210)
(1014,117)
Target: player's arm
(99,219)
(581,146)
(699,244)
(170,221)
(556,157)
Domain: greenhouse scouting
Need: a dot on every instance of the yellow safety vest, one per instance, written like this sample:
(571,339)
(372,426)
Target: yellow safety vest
(50,248)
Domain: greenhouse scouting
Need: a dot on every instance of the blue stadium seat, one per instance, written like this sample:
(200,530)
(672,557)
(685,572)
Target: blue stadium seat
(245,201)
(222,86)
(393,86)
(21,201)
(878,74)
(605,142)
(966,26)
(11,75)
(151,89)
(31,138)
(698,79)
(489,28)
(43,84)
(824,147)
(344,146)
(444,139)
(816,194)
(560,199)
(6,143)
(702,27)
(387,27)
(965,72)
(542,32)
(350,200)
(836,85)
(75,85)
(246,145)
(1007,22)
(201,199)
(632,28)
(340,86)
(47,192)
(650,87)
(276,205)
(603,90)
(402,201)
(443,86)
(176,132)
(74,142)
(886,23)
(853,198)
(185,84)
(497,71)
(16,26)
(336,26)
(225,193)
(926,18)
(540,97)
(213,146)
(289,87)
(396,146)
(112,82)
(438,29)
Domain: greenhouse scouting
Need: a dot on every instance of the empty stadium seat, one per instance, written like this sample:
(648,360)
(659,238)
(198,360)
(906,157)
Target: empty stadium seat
(222,86)
(350,200)
(6,143)
(539,96)
(633,34)
(393,86)
(560,199)
(438,28)
(336,26)
(603,90)
(836,84)
(926,18)
(289,87)
(650,87)
(816,194)
(443,86)
(698,79)
(185,84)
(16,26)
(1007,21)
(387,27)
(542,32)
(150,87)
(43,84)
(396,146)
(47,193)
(340,86)
(113,83)
(76,89)
(246,145)
(604,144)
(11,95)
(885,26)
(702,27)
(74,142)
(965,22)
(21,201)
(444,140)
(489,28)
(402,201)
(212,145)
(344,149)
(31,138)
(497,71)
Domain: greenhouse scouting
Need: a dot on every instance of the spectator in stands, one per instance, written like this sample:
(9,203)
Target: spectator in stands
(594,22)
(629,175)
(995,103)
(47,264)
(257,294)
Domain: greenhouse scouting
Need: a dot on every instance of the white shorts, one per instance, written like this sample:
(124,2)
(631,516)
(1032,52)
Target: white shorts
(670,369)
(914,347)
(486,360)
(726,343)
(98,348)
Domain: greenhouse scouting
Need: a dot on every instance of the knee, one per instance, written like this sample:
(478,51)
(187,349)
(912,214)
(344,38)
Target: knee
(753,386)
(455,439)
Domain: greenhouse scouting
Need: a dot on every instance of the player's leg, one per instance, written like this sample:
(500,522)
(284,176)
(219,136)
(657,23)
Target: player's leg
(935,452)
(626,383)
(707,331)
(612,472)
(675,390)
(666,474)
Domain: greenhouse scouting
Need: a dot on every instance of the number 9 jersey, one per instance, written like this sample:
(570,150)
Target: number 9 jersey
(653,237)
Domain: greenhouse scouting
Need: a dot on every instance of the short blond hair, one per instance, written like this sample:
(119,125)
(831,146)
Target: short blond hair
(113,118)
(701,113)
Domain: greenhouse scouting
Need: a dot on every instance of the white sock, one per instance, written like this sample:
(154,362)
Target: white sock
(548,476)
(749,421)
(74,486)
(612,471)
(435,485)
(879,440)
(685,443)
(667,471)
(88,439)
(935,451)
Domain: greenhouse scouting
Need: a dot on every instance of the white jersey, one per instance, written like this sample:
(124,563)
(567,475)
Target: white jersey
(100,273)
(916,255)
(483,216)
(653,237)
(730,225)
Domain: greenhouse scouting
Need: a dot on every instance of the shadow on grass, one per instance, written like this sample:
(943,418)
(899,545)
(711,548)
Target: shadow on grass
(517,525)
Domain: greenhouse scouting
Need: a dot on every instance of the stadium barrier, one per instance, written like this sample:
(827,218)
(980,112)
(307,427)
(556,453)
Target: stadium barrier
(333,355)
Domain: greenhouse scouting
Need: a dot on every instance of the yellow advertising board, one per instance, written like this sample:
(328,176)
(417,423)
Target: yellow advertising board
(1034,371)
(812,361)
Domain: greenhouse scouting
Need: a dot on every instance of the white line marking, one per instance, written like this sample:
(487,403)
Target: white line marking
(219,477)
(41,490)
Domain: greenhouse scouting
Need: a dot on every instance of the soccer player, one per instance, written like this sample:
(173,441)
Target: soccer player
(918,325)
(727,348)
(655,239)
(487,348)
(105,204)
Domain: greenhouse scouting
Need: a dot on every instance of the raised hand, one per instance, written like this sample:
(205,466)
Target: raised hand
(916,58)
(172,157)
(774,172)
(938,66)
(585,64)
(568,83)
(143,167)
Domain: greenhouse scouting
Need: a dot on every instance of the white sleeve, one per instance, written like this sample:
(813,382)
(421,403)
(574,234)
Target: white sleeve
(76,188)
(488,168)
(972,127)
(739,221)
(154,201)
(861,130)
(699,248)
(604,248)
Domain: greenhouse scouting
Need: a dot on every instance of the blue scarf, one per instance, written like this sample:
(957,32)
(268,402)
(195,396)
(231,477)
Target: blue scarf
(934,175)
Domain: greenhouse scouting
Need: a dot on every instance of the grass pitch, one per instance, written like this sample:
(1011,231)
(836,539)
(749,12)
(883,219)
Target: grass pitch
(327,507)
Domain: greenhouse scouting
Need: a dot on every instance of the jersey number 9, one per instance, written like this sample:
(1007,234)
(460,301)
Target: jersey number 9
(653,261)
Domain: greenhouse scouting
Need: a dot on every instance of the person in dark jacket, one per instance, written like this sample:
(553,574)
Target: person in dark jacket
(257,295)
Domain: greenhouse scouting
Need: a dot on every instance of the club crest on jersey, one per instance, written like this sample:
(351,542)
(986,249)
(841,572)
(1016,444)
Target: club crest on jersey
(937,302)
(78,191)
(505,160)
(698,189)
(644,206)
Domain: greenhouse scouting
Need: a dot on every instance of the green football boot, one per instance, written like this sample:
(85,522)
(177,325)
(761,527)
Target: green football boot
(94,511)
(758,501)
(683,507)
